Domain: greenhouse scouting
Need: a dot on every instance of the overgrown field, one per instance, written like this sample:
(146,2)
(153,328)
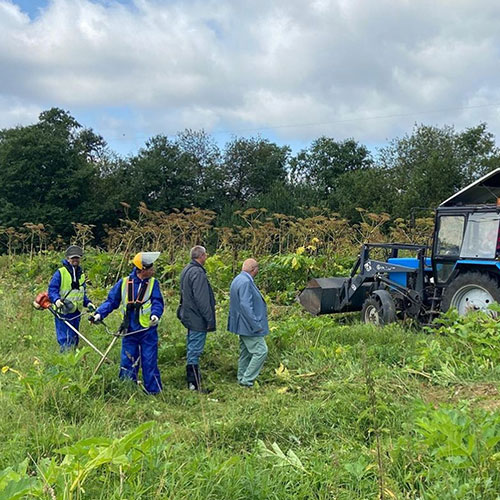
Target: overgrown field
(342,410)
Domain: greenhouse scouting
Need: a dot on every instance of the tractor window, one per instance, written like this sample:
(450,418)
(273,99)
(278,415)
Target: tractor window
(481,236)
(451,230)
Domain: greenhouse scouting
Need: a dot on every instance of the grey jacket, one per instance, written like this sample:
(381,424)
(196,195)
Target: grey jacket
(196,309)
(247,308)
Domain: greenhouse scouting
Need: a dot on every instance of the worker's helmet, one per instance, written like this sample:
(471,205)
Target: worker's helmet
(145,260)
(74,251)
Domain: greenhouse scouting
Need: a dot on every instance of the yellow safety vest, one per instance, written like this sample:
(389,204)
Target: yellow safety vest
(145,300)
(66,292)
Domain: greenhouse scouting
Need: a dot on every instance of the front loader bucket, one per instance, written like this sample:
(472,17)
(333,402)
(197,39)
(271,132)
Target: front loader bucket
(324,295)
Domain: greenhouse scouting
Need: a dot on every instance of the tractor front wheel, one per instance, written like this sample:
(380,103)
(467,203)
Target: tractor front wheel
(379,308)
(471,292)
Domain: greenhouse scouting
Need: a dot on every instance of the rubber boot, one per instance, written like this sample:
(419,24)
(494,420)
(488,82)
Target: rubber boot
(193,378)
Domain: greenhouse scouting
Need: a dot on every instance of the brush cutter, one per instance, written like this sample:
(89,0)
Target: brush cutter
(122,332)
(141,260)
(42,301)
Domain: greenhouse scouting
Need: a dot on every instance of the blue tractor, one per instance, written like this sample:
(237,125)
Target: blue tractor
(460,270)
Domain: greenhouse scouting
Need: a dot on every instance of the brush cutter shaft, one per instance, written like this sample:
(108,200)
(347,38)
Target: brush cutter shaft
(111,344)
(133,333)
(85,339)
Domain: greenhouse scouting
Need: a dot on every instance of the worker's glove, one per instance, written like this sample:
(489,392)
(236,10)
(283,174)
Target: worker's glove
(95,318)
(59,304)
(154,320)
(91,307)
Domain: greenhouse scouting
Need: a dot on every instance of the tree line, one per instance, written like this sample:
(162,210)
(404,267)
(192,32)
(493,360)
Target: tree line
(57,172)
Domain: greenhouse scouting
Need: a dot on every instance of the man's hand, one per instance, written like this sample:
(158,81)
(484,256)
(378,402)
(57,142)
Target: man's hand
(95,318)
(154,320)
(91,307)
(59,304)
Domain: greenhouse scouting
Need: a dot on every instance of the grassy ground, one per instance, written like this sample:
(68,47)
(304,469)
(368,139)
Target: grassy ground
(342,411)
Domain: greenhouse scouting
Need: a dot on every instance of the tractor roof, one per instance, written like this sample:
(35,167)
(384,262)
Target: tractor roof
(485,190)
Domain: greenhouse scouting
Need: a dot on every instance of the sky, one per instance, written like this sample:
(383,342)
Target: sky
(290,71)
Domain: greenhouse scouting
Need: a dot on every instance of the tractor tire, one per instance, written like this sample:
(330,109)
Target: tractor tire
(379,309)
(471,292)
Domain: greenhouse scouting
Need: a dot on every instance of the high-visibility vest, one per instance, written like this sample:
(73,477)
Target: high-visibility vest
(67,292)
(144,299)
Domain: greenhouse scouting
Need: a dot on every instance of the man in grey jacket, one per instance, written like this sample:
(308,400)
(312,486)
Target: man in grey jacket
(248,319)
(196,312)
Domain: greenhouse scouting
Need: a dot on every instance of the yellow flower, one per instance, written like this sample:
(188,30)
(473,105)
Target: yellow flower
(5,369)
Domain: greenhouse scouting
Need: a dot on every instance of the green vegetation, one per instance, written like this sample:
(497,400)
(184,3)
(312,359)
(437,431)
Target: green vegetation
(56,172)
(342,410)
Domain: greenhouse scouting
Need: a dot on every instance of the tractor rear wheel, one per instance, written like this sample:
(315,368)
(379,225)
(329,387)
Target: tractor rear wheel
(471,292)
(379,308)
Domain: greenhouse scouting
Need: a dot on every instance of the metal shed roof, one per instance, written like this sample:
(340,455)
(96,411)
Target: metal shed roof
(485,190)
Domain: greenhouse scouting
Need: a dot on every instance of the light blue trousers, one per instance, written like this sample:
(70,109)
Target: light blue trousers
(253,353)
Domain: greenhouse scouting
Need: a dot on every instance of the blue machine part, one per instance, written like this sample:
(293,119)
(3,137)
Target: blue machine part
(477,262)
(401,278)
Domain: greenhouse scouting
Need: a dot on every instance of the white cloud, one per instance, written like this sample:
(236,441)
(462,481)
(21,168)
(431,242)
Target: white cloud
(348,66)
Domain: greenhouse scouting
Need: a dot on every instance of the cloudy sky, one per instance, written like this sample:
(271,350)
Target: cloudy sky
(289,70)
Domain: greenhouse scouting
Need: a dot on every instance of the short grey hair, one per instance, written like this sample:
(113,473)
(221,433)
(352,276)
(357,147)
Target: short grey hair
(197,252)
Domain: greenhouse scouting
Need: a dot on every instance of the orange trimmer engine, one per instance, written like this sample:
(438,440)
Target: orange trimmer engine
(42,301)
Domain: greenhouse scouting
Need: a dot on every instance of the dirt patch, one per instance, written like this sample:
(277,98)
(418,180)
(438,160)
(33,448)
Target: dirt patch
(482,394)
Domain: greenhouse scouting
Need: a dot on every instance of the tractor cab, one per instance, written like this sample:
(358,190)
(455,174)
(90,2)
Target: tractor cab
(466,247)
(467,230)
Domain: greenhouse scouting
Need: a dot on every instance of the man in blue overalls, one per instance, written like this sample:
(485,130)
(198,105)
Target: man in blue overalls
(67,291)
(141,303)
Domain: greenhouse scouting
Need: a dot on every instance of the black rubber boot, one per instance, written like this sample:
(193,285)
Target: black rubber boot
(193,378)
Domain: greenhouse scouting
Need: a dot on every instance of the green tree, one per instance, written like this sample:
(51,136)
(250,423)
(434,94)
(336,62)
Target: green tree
(367,188)
(432,163)
(324,161)
(161,175)
(205,156)
(478,152)
(251,167)
(47,170)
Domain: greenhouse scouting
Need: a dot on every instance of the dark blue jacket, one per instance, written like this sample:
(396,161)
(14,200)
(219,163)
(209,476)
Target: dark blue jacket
(55,286)
(115,297)
(197,306)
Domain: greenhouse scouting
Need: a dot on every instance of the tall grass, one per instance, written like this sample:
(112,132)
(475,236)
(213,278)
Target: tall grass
(342,411)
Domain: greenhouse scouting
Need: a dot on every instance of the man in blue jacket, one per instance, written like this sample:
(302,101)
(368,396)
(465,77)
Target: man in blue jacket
(141,304)
(67,291)
(248,319)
